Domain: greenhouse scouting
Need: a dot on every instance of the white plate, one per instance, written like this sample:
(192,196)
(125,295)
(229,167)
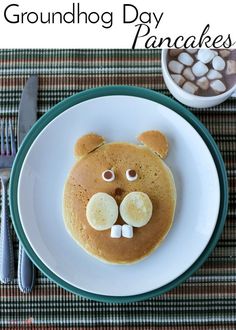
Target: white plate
(118,118)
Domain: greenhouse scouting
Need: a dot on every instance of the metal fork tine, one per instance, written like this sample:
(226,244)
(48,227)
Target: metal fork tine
(6,161)
(7,139)
(13,144)
(2,138)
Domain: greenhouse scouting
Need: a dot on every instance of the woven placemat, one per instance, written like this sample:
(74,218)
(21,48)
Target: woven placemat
(207,300)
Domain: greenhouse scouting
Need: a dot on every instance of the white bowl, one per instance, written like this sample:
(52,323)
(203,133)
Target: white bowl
(188,99)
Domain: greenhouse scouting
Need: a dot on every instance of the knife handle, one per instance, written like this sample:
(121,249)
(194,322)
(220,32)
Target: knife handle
(6,247)
(26,271)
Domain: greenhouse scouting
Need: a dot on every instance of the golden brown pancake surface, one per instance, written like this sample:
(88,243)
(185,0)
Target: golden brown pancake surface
(85,180)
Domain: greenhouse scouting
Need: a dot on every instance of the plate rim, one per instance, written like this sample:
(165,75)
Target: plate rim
(123,91)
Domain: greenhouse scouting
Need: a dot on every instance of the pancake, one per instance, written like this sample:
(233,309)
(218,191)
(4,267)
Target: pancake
(85,180)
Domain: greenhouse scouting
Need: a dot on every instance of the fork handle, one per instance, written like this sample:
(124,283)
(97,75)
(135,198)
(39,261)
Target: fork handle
(6,247)
(26,271)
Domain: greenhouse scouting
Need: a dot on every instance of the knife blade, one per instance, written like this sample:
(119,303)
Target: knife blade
(27,116)
(28,108)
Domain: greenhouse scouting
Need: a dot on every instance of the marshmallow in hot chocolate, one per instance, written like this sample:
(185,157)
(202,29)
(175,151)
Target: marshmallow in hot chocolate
(204,72)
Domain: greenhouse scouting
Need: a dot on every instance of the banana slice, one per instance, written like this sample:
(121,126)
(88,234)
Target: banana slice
(136,209)
(101,211)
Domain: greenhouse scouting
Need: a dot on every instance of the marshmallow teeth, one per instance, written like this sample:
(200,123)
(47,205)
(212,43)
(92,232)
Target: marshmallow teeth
(125,231)
(101,211)
(136,209)
(116,231)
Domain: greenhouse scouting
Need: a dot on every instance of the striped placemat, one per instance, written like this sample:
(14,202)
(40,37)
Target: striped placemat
(208,299)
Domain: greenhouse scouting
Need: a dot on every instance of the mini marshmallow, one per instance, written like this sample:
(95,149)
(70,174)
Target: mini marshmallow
(178,79)
(190,87)
(185,59)
(218,86)
(108,175)
(218,63)
(205,55)
(187,73)
(127,231)
(231,67)
(175,52)
(191,51)
(199,69)
(175,66)
(213,74)
(131,175)
(116,231)
(203,83)
(224,53)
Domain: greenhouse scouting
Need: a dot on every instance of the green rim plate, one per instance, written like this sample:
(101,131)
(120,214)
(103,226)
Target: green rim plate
(130,91)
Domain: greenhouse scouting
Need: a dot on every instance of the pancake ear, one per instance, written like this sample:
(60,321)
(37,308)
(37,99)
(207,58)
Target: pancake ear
(156,141)
(87,143)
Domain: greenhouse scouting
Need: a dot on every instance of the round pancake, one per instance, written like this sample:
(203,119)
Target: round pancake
(85,179)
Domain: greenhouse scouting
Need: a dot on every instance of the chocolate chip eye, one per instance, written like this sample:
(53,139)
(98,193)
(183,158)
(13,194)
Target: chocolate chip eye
(131,175)
(108,175)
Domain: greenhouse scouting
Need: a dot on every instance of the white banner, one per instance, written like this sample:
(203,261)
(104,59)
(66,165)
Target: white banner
(117,24)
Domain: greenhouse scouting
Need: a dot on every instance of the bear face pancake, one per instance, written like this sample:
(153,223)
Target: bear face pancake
(142,188)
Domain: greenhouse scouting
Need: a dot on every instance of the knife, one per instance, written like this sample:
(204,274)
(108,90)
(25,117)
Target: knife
(27,116)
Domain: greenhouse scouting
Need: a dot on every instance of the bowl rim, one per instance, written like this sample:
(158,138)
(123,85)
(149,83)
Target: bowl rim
(110,91)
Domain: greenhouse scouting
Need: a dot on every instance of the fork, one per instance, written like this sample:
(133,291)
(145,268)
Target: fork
(7,155)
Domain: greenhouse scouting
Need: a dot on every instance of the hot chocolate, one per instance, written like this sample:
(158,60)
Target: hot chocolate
(203,72)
